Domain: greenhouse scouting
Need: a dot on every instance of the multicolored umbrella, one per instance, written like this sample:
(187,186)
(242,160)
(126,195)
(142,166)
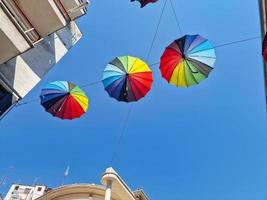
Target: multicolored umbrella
(264,48)
(64,100)
(187,61)
(127,78)
(145,2)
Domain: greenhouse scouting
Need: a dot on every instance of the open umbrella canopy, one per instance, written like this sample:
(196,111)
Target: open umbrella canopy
(64,100)
(127,78)
(145,2)
(187,61)
(264,48)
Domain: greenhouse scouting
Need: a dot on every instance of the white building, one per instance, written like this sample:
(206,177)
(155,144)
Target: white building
(113,188)
(25,192)
(34,36)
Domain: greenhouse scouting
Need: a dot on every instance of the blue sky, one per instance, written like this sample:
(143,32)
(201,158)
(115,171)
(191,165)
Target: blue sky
(205,142)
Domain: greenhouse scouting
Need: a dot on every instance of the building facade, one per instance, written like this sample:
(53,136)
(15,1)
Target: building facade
(25,192)
(34,36)
(113,188)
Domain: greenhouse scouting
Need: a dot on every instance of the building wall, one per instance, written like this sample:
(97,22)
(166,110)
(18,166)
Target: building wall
(11,40)
(34,36)
(23,72)
(25,192)
(84,196)
(44,15)
(78,192)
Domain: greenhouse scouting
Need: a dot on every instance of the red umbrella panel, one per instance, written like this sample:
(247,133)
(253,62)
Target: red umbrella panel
(264,48)
(145,2)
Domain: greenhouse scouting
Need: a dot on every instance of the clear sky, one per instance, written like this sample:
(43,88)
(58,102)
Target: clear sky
(205,142)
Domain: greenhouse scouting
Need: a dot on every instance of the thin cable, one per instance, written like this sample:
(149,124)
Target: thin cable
(176,18)
(116,149)
(236,42)
(27,102)
(153,64)
(90,84)
(156,32)
(18,104)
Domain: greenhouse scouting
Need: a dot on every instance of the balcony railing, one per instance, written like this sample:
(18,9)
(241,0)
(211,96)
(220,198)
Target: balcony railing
(66,12)
(14,12)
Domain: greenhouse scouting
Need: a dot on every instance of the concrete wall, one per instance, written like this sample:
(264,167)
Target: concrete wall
(78,192)
(44,15)
(84,196)
(12,42)
(26,70)
(69,5)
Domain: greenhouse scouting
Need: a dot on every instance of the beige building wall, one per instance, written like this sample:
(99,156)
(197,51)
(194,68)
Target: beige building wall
(119,190)
(23,72)
(11,40)
(34,36)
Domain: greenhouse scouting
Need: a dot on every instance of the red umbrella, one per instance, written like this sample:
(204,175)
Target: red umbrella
(264,48)
(144,2)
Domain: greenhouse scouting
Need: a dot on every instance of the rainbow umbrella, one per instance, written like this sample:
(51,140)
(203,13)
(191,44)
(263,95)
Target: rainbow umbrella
(64,100)
(145,2)
(127,78)
(264,48)
(187,61)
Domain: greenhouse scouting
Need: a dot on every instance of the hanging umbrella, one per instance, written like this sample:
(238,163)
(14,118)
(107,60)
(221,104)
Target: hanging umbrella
(127,78)
(187,61)
(264,48)
(64,100)
(144,2)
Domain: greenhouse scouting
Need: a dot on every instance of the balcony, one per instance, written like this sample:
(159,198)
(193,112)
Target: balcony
(48,16)
(72,9)
(25,22)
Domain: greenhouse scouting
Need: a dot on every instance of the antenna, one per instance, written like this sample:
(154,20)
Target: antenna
(66,173)
(6,175)
(36,179)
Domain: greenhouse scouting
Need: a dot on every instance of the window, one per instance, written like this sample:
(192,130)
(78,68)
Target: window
(17,187)
(6,99)
(3,92)
(39,189)
(27,190)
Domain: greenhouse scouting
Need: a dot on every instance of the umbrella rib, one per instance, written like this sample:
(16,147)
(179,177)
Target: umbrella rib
(188,65)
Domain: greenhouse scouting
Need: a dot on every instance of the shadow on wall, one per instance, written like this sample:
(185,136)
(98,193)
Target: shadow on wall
(25,71)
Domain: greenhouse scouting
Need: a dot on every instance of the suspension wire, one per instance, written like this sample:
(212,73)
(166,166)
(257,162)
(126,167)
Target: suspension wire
(236,42)
(90,84)
(122,133)
(153,64)
(176,18)
(156,32)
(27,102)
(18,104)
